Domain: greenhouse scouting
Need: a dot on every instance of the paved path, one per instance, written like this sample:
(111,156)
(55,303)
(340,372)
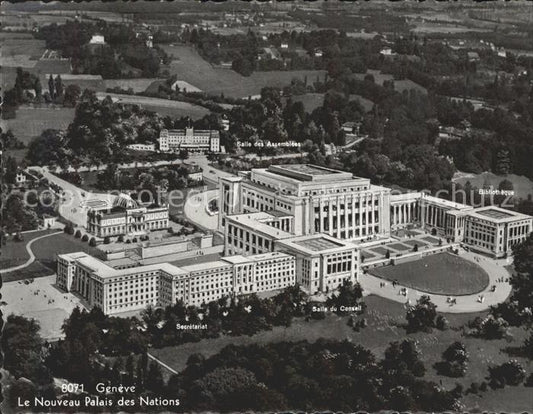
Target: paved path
(30,252)
(465,303)
(195,210)
(153,358)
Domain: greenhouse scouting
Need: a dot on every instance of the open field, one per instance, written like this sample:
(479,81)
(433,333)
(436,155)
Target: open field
(522,186)
(138,85)
(441,273)
(399,85)
(190,67)
(175,109)
(32,121)
(45,250)
(385,324)
(13,46)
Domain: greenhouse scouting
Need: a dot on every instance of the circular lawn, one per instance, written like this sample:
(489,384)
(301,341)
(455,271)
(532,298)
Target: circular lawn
(443,273)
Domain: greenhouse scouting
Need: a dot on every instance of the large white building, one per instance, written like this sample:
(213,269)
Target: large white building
(314,200)
(263,206)
(163,284)
(284,225)
(172,140)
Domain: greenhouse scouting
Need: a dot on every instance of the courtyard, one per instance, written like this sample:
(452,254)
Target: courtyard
(442,273)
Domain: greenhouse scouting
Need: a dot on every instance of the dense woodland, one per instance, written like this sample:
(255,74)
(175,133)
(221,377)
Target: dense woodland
(125,54)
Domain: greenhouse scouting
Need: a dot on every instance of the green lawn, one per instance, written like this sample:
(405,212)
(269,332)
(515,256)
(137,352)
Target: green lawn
(189,66)
(45,251)
(442,273)
(385,325)
(14,253)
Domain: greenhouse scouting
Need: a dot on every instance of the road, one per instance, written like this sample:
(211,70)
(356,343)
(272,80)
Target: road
(195,210)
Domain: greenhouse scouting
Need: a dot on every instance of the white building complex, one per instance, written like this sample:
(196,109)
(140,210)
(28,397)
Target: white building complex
(189,139)
(163,284)
(283,225)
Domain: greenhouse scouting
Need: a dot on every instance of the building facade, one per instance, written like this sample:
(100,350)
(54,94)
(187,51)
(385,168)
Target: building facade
(494,231)
(263,206)
(189,139)
(319,200)
(126,217)
(163,284)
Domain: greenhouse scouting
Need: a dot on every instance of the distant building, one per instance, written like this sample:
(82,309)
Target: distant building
(21,178)
(142,147)
(48,221)
(473,57)
(126,217)
(97,39)
(189,139)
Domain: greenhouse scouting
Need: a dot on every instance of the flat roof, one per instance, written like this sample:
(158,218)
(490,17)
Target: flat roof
(257,222)
(239,259)
(204,266)
(447,203)
(318,245)
(309,172)
(498,214)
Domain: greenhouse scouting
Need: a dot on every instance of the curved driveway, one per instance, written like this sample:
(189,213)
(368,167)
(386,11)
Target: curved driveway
(195,210)
(30,252)
(464,303)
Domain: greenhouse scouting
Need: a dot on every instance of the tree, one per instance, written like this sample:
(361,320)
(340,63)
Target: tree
(508,373)
(107,240)
(77,234)
(421,317)
(22,347)
(51,87)
(154,377)
(69,229)
(92,242)
(85,238)
(11,168)
(454,361)
(72,95)
(58,87)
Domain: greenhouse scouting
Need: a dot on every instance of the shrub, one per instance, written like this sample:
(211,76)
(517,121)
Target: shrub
(85,238)
(92,242)
(120,239)
(454,361)
(69,229)
(77,234)
(508,373)
(18,237)
(421,317)
(490,328)
(107,240)
(529,381)
(441,323)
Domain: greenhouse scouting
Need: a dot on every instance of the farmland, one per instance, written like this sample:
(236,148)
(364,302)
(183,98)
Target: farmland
(162,106)
(399,85)
(31,121)
(190,67)
(138,85)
